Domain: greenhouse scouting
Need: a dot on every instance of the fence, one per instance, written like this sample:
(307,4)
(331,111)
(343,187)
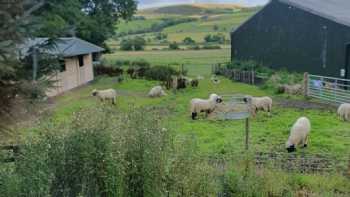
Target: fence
(249,77)
(328,89)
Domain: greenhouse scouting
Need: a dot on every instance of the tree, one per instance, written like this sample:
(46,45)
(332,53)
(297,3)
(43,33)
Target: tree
(139,43)
(189,41)
(126,45)
(91,20)
(216,27)
(174,46)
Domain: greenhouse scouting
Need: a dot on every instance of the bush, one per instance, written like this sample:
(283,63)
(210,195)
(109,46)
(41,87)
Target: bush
(160,73)
(207,46)
(218,38)
(137,43)
(121,63)
(174,46)
(126,45)
(140,63)
(189,41)
(138,68)
(108,70)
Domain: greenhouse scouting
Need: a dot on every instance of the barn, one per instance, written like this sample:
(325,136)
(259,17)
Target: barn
(299,35)
(76,57)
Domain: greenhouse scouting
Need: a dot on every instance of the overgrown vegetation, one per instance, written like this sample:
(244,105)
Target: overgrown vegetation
(101,152)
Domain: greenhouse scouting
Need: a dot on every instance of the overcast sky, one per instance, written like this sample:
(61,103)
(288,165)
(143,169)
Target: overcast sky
(156,3)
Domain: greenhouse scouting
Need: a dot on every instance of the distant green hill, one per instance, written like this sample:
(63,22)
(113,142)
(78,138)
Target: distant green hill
(193,9)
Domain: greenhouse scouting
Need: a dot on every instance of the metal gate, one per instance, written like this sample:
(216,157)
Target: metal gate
(329,89)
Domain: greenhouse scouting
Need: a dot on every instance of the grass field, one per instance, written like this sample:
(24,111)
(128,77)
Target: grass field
(329,136)
(223,22)
(196,62)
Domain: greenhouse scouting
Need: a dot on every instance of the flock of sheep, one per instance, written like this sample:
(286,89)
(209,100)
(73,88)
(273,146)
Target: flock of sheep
(298,134)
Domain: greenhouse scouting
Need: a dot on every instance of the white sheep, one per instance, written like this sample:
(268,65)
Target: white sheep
(259,103)
(109,94)
(156,91)
(204,105)
(200,77)
(215,80)
(299,134)
(344,111)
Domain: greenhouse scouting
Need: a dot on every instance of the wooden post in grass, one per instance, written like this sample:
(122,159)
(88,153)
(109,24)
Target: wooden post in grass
(306,84)
(247,126)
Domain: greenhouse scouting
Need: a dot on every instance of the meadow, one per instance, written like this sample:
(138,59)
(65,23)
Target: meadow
(181,156)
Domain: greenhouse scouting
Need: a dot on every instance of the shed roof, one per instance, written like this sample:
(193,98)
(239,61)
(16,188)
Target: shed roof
(66,47)
(335,10)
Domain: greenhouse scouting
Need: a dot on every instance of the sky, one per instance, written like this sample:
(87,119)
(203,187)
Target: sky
(157,3)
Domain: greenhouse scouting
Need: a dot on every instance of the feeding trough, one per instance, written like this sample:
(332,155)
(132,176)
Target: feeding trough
(234,108)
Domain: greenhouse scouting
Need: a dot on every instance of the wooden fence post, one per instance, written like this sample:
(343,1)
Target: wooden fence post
(306,84)
(253,77)
(247,128)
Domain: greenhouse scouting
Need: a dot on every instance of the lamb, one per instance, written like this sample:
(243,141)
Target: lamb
(157,91)
(109,94)
(204,105)
(298,134)
(259,103)
(344,111)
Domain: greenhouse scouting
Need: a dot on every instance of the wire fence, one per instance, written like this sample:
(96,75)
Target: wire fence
(328,89)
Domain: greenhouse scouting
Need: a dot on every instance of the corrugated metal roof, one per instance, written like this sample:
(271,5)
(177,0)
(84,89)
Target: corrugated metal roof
(335,10)
(66,47)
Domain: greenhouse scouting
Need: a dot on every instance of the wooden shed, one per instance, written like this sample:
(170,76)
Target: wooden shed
(77,59)
(300,35)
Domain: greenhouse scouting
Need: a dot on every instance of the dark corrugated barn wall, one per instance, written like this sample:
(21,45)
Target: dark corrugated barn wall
(282,36)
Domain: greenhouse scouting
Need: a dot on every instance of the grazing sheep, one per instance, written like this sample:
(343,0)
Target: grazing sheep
(344,111)
(109,94)
(181,83)
(200,77)
(298,134)
(215,80)
(296,89)
(204,105)
(156,91)
(194,83)
(259,103)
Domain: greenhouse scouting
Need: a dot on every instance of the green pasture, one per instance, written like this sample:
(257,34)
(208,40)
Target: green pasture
(196,62)
(329,137)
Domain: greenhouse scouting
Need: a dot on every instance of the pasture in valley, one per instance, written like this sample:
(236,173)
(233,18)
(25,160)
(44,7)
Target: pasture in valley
(214,161)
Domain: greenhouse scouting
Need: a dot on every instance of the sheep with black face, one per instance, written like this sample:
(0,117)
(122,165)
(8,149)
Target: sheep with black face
(204,105)
(298,134)
(259,103)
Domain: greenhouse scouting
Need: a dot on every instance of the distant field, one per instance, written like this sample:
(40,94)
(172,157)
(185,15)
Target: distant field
(209,21)
(197,62)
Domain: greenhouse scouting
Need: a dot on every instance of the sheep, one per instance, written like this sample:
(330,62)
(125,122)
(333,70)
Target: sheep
(344,111)
(109,94)
(259,103)
(296,89)
(194,83)
(156,91)
(200,77)
(298,134)
(215,80)
(204,105)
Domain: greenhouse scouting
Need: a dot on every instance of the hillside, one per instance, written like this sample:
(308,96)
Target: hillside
(192,9)
(181,21)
